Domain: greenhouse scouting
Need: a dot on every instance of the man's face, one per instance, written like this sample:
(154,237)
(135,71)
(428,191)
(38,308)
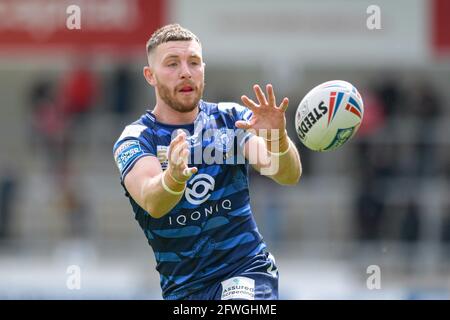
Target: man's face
(178,72)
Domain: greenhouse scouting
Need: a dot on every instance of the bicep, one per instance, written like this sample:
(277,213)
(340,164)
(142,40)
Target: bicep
(140,176)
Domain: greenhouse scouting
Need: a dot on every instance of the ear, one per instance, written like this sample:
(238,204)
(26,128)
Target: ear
(149,76)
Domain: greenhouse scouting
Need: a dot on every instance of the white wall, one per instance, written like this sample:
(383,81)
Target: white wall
(306,32)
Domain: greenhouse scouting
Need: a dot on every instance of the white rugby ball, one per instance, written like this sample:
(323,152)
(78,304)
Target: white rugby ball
(329,115)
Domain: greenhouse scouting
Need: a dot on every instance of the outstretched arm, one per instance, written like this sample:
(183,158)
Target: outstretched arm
(270,151)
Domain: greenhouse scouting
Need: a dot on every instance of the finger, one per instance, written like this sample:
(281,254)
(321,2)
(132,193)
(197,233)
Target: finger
(184,155)
(188,172)
(179,139)
(260,95)
(174,145)
(284,104)
(180,134)
(242,125)
(176,141)
(176,156)
(183,148)
(271,95)
(249,103)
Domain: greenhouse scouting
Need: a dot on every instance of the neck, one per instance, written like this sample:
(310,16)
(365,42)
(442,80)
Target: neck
(167,115)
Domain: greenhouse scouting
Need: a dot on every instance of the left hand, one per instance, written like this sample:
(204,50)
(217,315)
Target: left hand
(266,115)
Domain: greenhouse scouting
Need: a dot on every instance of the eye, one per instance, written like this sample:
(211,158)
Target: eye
(172,64)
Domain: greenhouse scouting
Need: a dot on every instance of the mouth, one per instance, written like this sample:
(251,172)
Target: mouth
(186,89)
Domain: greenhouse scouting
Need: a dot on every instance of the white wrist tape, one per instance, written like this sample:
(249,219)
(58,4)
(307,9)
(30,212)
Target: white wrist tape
(174,179)
(278,154)
(176,193)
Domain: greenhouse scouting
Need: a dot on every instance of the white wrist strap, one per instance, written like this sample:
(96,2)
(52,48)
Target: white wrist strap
(279,138)
(174,179)
(278,154)
(176,193)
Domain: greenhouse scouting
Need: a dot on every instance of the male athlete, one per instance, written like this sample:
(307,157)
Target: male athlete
(184,167)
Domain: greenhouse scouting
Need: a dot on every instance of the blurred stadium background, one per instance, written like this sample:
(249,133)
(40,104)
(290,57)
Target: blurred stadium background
(381,200)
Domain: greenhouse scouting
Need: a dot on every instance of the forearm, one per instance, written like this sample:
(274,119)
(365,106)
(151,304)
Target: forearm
(158,200)
(288,164)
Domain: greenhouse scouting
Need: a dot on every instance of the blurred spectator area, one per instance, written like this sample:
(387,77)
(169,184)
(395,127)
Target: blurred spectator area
(398,162)
(382,197)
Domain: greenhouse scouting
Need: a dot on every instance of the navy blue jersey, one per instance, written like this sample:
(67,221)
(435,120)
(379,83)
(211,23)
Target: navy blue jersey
(211,231)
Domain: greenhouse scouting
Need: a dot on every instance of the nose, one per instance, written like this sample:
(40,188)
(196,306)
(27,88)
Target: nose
(185,73)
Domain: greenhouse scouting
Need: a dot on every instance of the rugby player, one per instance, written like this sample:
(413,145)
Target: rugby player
(184,167)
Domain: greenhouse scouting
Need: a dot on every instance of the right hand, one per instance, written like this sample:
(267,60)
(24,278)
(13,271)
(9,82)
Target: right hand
(178,155)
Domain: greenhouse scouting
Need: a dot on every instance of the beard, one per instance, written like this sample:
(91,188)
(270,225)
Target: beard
(177,103)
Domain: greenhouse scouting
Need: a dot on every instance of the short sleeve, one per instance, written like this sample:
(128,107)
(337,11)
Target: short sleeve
(133,144)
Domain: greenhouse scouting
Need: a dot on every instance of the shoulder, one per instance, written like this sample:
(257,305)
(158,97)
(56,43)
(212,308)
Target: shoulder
(134,130)
(136,138)
(134,142)
(237,111)
(141,130)
(229,109)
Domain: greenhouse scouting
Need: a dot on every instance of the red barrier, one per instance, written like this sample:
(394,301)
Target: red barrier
(104,24)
